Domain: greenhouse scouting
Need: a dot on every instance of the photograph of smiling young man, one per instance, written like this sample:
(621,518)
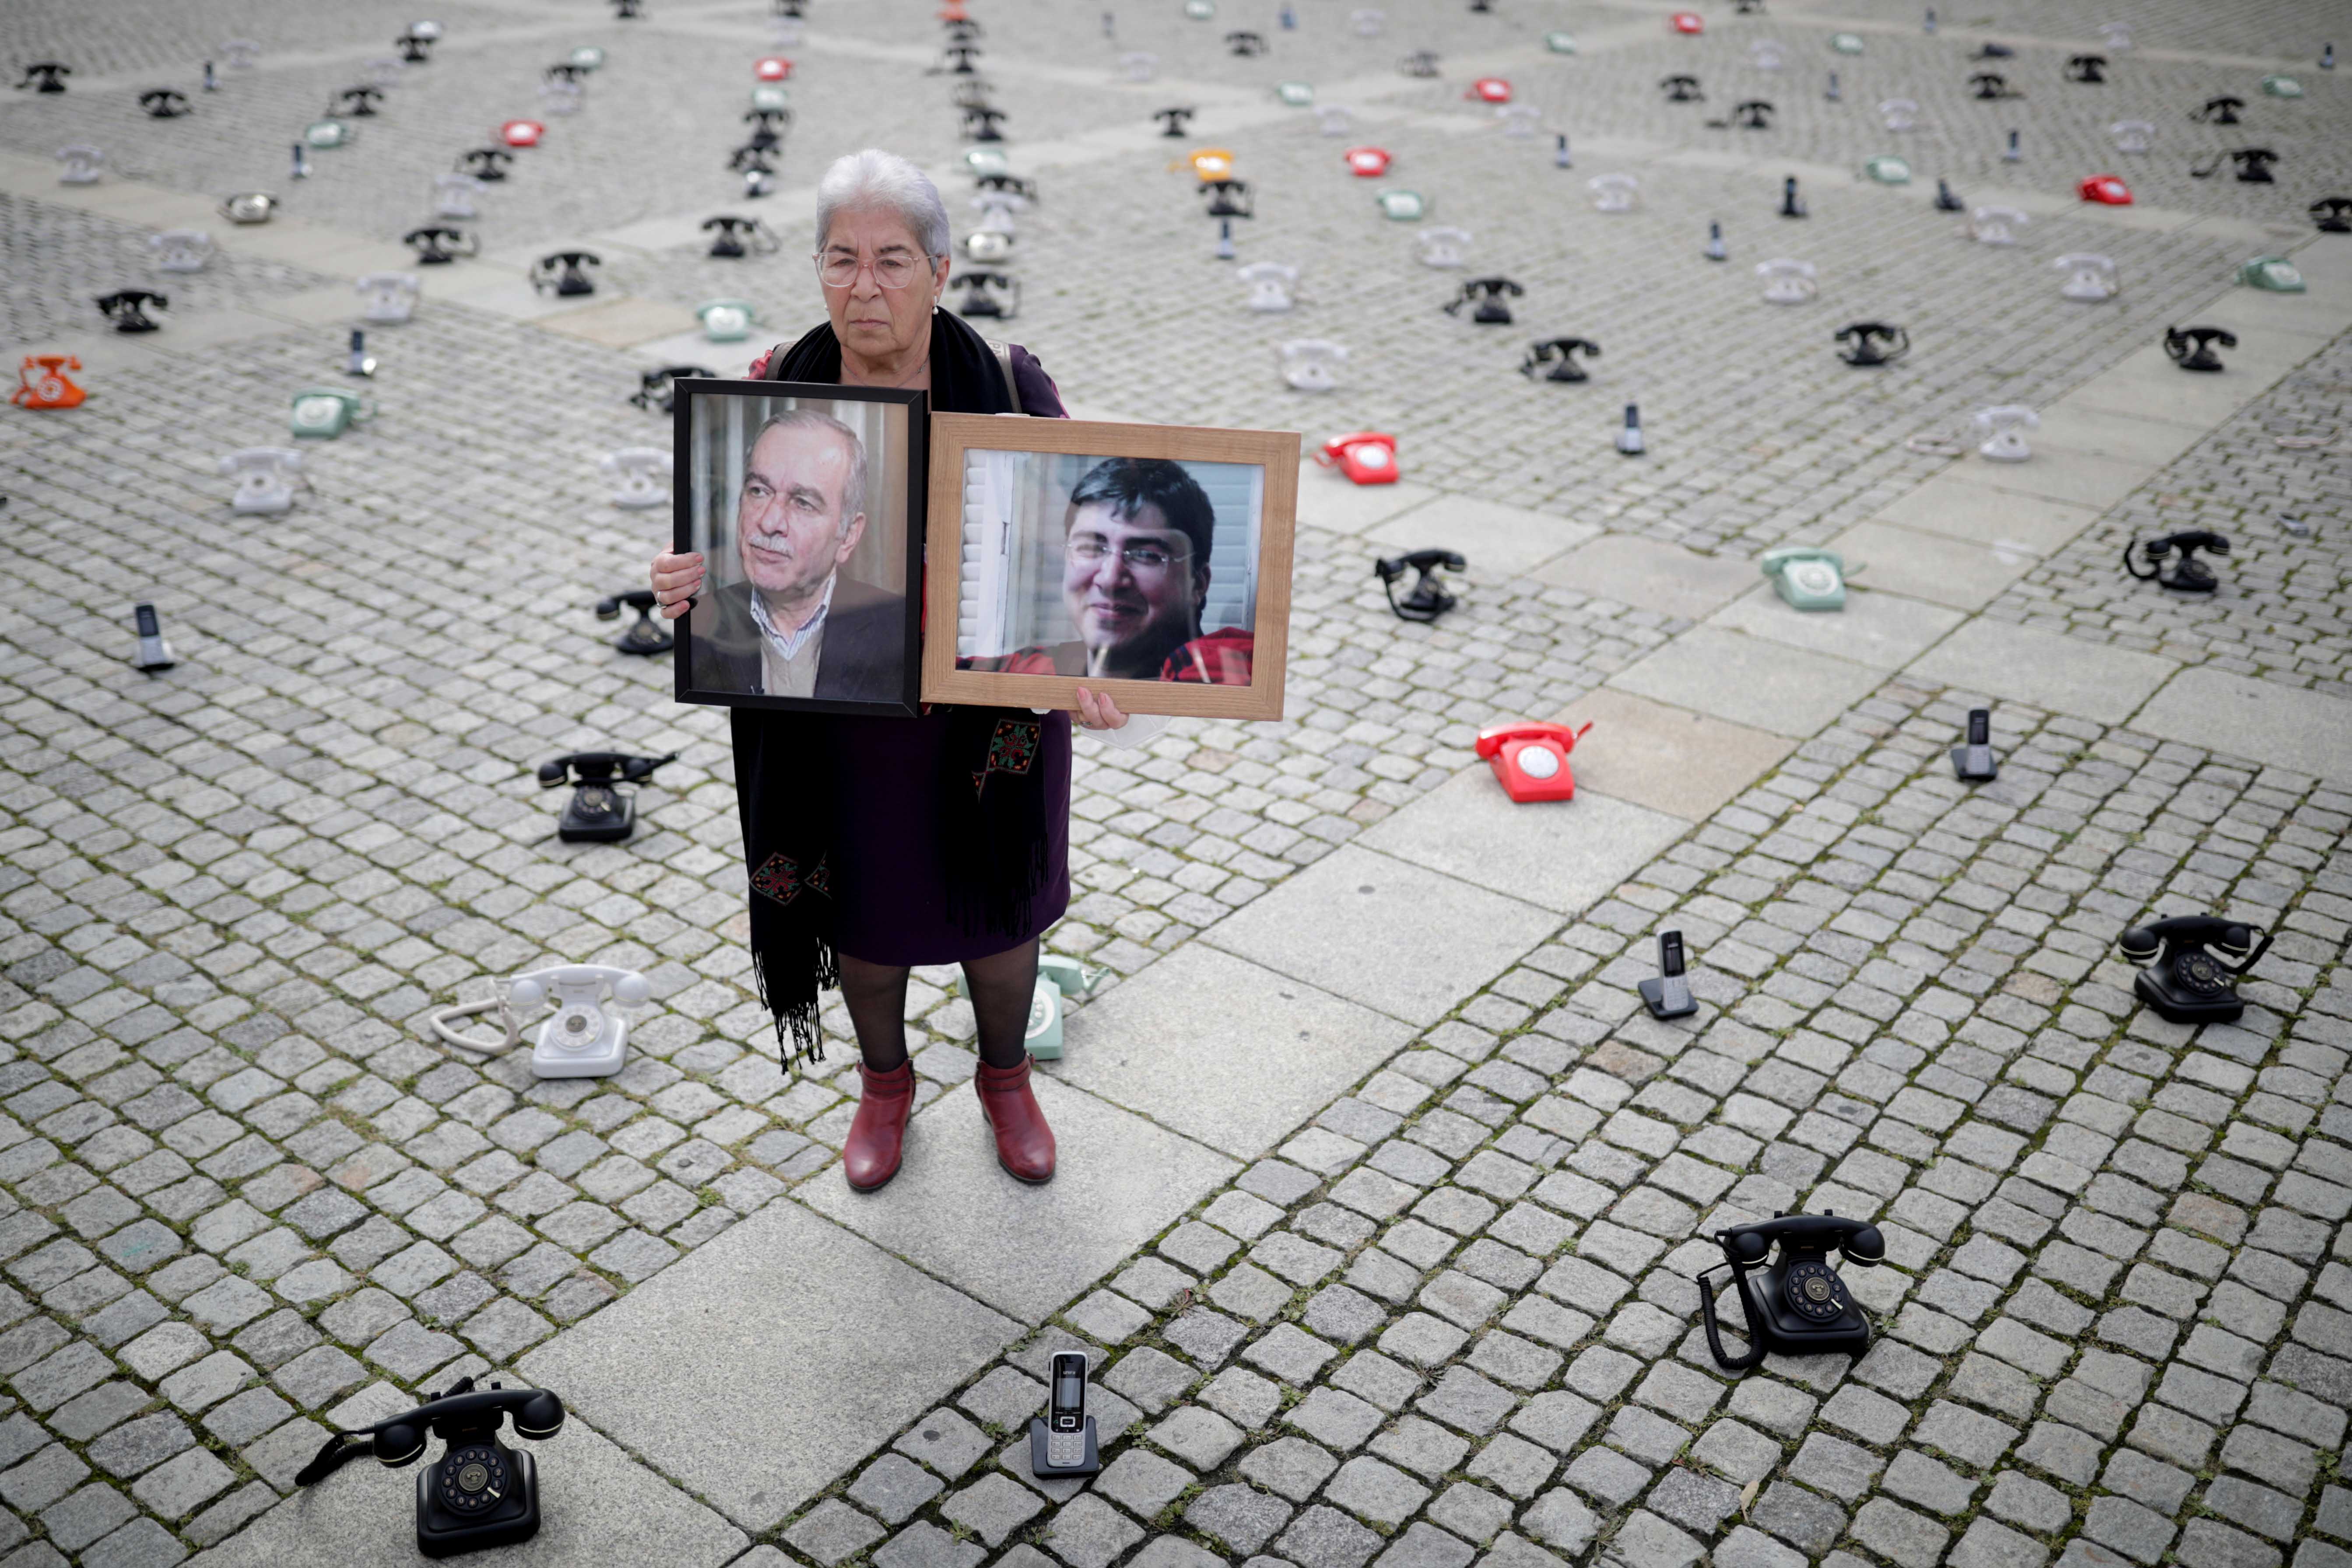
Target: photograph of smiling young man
(1135,569)
(794,622)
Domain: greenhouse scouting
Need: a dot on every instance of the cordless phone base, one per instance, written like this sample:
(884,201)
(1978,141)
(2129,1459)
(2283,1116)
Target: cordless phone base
(1053,1454)
(1974,764)
(1664,1003)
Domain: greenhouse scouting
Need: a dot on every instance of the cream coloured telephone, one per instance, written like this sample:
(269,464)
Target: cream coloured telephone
(586,1037)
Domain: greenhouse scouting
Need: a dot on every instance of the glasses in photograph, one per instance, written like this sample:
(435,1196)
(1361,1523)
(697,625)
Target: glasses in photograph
(892,269)
(1088,550)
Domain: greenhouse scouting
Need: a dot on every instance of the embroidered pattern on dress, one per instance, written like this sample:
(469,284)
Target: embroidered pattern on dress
(780,879)
(1010,749)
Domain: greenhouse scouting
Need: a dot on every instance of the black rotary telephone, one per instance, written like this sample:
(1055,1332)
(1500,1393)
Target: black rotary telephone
(47,77)
(2253,165)
(1175,119)
(562,271)
(1560,353)
(2191,348)
(958,58)
(598,812)
(1946,200)
(565,71)
(2090,69)
(987,293)
(127,309)
(2182,981)
(479,1493)
(1427,599)
(164,103)
(1228,198)
(1682,89)
(1872,343)
(1421,63)
(416,48)
(643,637)
(433,244)
(485,163)
(1487,294)
(1756,115)
(981,122)
(657,387)
(1012,182)
(737,238)
(1990,85)
(1800,1307)
(359,102)
(1246,45)
(2332,214)
(2222,110)
(2186,574)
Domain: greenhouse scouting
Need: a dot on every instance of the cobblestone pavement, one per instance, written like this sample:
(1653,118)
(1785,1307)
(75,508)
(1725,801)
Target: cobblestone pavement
(244,1198)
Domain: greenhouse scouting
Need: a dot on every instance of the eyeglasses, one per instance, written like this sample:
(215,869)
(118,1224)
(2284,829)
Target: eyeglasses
(892,269)
(1088,550)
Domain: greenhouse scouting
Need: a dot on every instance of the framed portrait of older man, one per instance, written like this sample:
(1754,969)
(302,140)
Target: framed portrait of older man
(806,502)
(1149,562)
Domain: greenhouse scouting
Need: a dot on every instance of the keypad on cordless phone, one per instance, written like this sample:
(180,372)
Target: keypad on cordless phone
(1064,1449)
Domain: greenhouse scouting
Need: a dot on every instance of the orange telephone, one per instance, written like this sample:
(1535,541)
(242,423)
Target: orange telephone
(1531,760)
(1366,456)
(42,383)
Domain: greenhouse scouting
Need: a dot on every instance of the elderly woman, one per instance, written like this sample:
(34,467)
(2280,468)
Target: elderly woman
(890,856)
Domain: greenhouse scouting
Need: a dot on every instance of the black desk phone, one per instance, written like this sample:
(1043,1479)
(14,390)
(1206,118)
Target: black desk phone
(2182,981)
(479,1493)
(1062,1441)
(1800,1307)
(598,812)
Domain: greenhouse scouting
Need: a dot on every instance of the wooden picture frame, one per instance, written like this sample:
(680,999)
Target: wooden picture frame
(1017,624)
(868,657)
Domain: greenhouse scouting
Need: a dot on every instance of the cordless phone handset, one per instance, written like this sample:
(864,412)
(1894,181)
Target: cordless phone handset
(1802,1307)
(1063,1441)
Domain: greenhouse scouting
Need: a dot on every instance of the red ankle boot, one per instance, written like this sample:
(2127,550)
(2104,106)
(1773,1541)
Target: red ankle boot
(877,1134)
(1024,1144)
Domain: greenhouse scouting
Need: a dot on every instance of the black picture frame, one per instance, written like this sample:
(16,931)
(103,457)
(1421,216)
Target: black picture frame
(709,664)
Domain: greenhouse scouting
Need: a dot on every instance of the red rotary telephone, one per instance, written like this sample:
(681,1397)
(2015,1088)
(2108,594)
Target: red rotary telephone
(1490,89)
(1531,760)
(1366,456)
(2107,190)
(1367,162)
(1687,23)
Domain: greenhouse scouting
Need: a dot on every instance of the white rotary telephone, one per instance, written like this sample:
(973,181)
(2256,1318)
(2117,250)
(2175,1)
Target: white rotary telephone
(265,478)
(587,1037)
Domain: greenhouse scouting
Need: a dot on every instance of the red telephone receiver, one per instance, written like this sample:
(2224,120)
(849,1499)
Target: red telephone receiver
(2107,190)
(1366,456)
(1531,760)
(1367,162)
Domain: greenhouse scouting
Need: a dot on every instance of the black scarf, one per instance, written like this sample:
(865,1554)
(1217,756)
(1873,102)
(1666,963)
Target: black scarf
(991,791)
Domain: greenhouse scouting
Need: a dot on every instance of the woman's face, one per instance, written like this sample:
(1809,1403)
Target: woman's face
(875,322)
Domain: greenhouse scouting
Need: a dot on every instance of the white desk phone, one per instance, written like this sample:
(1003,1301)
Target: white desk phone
(586,1037)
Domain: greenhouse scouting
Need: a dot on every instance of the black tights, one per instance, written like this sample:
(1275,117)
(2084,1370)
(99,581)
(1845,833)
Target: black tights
(1000,987)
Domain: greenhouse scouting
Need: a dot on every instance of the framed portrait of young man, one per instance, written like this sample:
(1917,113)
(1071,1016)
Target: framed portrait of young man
(806,502)
(1148,562)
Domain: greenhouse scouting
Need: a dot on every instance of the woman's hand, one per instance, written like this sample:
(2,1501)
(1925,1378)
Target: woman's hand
(677,579)
(1096,709)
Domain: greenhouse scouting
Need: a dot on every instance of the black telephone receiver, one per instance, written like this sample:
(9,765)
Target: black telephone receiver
(768,118)
(1012,182)
(598,812)
(1560,353)
(987,293)
(1756,115)
(127,309)
(566,71)
(433,243)
(165,102)
(1428,599)
(2179,979)
(1486,293)
(738,236)
(1229,198)
(1992,85)
(561,270)
(2332,214)
(2222,110)
(1802,1307)
(644,638)
(2086,67)
(1873,342)
(981,121)
(485,163)
(1682,89)
(356,102)
(480,1492)
(2191,348)
(2187,575)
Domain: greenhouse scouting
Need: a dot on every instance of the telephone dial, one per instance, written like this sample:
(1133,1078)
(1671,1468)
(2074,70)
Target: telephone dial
(265,479)
(1057,979)
(2089,278)
(586,1037)
(181,249)
(1269,285)
(2222,110)
(2106,190)
(326,412)
(387,299)
(437,245)
(165,103)
(47,77)
(1311,365)
(2191,348)
(1367,162)
(1427,599)
(2274,273)
(1442,247)
(357,101)
(2003,429)
(1807,576)
(1972,760)
(1872,343)
(1682,89)
(2090,69)
(485,163)
(1788,281)
(1800,1307)
(1616,193)
(1668,995)
(563,270)
(988,294)
(127,309)
(452,196)
(2332,214)
(598,812)
(727,320)
(1366,456)
(1559,355)
(81,165)
(1996,226)
(1063,1441)
(1487,294)
(1992,85)
(150,653)
(734,237)
(2133,136)
(640,477)
(2179,979)
(1531,761)
(2186,574)
(658,387)
(479,1493)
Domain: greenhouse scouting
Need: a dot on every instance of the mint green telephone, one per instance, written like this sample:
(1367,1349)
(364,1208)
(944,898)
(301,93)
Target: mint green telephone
(727,320)
(327,411)
(1056,977)
(1807,576)
(2275,273)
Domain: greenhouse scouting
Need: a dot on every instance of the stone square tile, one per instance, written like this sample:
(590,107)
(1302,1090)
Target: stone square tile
(1498,541)
(2260,720)
(1650,575)
(1329,499)
(2055,473)
(1964,574)
(2062,674)
(1883,630)
(1670,760)
(1749,680)
(1564,856)
(1957,508)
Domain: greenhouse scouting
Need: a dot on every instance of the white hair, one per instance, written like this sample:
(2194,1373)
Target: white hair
(853,486)
(877,179)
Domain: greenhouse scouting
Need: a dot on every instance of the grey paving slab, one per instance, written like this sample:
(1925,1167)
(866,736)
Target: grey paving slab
(1652,574)
(1959,509)
(1329,499)
(1671,760)
(2069,427)
(1232,1055)
(1402,938)
(1964,574)
(1500,540)
(1882,630)
(2261,721)
(1028,1251)
(1561,855)
(1749,680)
(2080,479)
(662,1369)
(2063,674)
(597,1505)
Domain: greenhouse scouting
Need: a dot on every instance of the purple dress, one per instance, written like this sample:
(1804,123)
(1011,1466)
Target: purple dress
(891,903)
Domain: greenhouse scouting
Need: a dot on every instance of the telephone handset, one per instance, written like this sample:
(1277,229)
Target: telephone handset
(1063,1442)
(1366,456)
(1972,760)
(1531,761)
(2182,981)
(1668,994)
(2187,575)
(587,1037)
(1427,599)
(479,1493)
(598,812)
(1800,1307)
